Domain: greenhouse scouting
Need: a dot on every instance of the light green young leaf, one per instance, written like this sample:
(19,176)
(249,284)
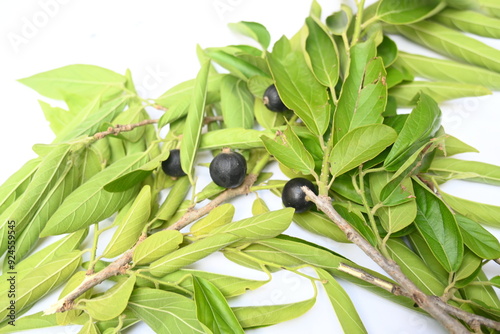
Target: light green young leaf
(221,215)
(344,308)
(236,64)
(259,207)
(112,303)
(422,124)
(405,12)
(234,138)
(80,80)
(230,286)
(476,171)
(364,93)
(360,145)
(414,268)
(469,21)
(156,246)
(470,264)
(290,151)
(253,30)
(34,321)
(454,146)
(406,94)
(17,183)
(452,43)
(339,22)
(90,203)
(437,225)
(191,253)
(266,118)
(264,226)
(40,281)
(478,239)
(393,218)
(236,103)
(322,53)
(480,212)
(131,224)
(448,70)
(57,117)
(299,89)
(212,309)
(165,312)
(259,316)
(89,328)
(194,122)
(491,7)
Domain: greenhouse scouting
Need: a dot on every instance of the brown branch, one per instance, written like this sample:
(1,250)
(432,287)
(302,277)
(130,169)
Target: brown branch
(473,320)
(210,119)
(120,265)
(426,302)
(123,128)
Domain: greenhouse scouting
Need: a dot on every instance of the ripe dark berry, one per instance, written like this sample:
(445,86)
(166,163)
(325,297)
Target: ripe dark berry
(172,166)
(294,197)
(228,169)
(272,100)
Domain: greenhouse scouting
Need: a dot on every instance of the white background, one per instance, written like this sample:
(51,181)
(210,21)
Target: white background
(156,40)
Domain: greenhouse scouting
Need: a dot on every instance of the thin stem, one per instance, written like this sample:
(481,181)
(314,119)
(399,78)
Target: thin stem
(357,24)
(323,183)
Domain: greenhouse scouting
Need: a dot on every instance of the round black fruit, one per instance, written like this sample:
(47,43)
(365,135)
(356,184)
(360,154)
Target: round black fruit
(272,100)
(294,197)
(228,169)
(172,166)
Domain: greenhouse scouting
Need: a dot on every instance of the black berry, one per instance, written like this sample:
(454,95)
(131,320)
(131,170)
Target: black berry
(172,166)
(272,100)
(228,169)
(294,197)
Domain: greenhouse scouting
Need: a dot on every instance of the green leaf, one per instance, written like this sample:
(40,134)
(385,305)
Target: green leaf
(448,70)
(221,215)
(481,293)
(439,228)
(130,225)
(323,54)
(57,117)
(253,30)
(112,303)
(236,103)
(212,309)
(290,151)
(449,168)
(478,239)
(191,253)
(480,212)
(40,281)
(420,247)
(360,145)
(194,122)
(259,316)
(419,128)
(407,93)
(156,246)
(90,203)
(266,225)
(414,268)
(34,321)
(234,138)
(165,312)
(454,146)
(174,199)
(266,118)
(355,217)
(470,264)
(298,88)
(495,281)
(364,94)
(319,224)
(80,80)
(339,22)
(452,43)
(259,207)
(89,328)
(469,21)
(237,66)
(405,12)
(344,308)
(393,218)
